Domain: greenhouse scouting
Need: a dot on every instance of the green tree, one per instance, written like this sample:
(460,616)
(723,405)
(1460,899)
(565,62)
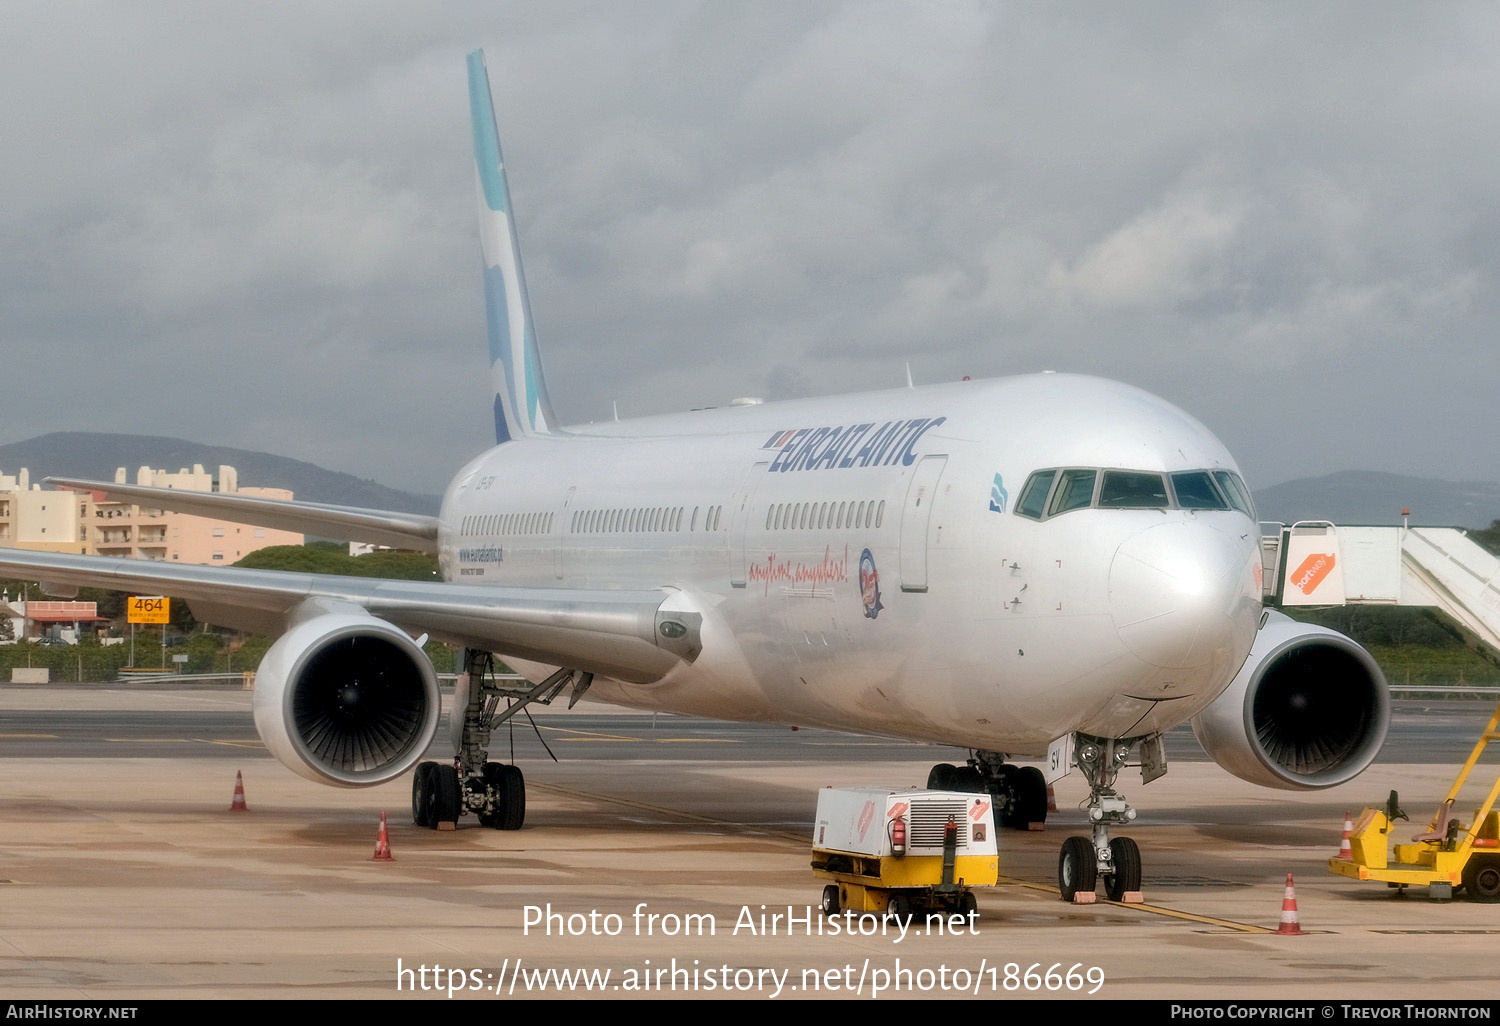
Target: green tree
(333,558)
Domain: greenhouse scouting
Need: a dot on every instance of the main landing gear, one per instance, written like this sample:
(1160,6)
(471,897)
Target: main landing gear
(1084,860)
(1019,793)
(492,791)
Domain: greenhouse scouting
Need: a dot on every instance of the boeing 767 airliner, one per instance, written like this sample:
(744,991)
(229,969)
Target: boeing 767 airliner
(1049,566)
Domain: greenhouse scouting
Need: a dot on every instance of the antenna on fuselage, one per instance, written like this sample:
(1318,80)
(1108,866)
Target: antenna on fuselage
(908,375)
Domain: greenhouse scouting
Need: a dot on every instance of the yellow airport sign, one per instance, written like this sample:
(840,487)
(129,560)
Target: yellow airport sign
(149,609)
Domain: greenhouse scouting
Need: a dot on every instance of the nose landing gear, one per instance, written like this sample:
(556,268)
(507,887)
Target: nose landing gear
(1083,860)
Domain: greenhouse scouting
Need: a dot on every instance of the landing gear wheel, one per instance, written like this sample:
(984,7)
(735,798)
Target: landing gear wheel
(510,797)
(940,777)
(1077,868)
(1029,805)
(443,796)
(421,784)
(1482,879)
(1126,856)
(967,778)
(898,906)
(829,906)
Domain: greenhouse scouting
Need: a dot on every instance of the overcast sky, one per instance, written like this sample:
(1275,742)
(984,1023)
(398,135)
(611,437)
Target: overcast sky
(254,225)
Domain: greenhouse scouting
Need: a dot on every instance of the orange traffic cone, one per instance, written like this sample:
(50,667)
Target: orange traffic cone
(238,805)
(1289,926)
(1345,851)
(383,844)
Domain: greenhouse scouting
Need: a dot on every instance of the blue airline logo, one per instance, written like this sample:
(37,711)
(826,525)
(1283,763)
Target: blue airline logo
(998,495)
(853,445)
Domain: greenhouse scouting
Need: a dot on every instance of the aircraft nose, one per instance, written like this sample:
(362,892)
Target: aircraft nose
(1183,595)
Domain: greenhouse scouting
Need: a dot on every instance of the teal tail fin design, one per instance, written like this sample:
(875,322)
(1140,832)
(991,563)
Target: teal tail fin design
(522,406)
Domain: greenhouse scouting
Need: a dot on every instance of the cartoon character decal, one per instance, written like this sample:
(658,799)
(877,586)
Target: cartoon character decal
(869,585)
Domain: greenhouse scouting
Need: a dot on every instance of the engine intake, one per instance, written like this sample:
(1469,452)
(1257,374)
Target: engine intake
(345,698)
(1308,710)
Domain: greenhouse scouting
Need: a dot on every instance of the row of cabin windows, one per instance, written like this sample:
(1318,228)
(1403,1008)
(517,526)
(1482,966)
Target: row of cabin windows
(508,523)
(817,516)
(1060,490)
(648,519)
(597,521)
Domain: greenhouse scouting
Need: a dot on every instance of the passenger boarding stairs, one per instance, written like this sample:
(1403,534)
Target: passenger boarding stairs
(1316,563)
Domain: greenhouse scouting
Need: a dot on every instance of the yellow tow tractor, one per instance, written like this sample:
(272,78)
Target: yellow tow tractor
(1449,854)
(902,852)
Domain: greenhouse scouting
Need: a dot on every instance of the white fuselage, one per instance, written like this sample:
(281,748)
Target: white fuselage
(862,565)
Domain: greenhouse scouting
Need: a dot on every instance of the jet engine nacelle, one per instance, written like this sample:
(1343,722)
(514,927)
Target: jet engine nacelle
(1308,710)
(344,698)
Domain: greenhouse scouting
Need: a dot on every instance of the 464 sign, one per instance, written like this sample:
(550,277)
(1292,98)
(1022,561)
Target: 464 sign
(148,609)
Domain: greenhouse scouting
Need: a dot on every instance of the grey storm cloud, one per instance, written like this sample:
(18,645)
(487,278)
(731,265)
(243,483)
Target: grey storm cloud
(255,226)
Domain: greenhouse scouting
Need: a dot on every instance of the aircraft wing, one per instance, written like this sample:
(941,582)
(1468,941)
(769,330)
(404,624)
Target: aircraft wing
(611,633)
(343,523)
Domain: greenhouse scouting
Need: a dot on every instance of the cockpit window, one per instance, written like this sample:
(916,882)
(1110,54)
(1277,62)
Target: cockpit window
(1034,495)
(1195,490)
(1051,492)
(1075,490)
(1129,489)
(1234,488)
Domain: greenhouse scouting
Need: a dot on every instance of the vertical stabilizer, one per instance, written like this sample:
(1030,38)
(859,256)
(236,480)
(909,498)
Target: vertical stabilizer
(521,404)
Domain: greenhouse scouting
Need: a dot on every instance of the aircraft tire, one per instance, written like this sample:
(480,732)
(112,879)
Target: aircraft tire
(967,778)
(444,795)
(513,808)
(420,799)
(940,777)
(510,797)
(1077,869)
(1030,804)
(1126,856)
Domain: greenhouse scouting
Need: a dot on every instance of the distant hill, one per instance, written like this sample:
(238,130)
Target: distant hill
(94,455)
(1377,499)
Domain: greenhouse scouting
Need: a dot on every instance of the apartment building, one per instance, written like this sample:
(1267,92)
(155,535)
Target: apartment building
(45,521)
(89,523)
